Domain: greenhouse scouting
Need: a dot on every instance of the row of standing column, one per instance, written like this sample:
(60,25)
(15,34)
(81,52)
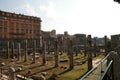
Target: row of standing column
(12,54)
(89,42)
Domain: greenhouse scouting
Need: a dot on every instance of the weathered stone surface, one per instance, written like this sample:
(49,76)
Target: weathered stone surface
(89,52)
(19,51)
(11,71)
(64,60)
(49,58)
(56,53)
(25,46)
(39,77)
(115,56)
(34,50)
(44,52)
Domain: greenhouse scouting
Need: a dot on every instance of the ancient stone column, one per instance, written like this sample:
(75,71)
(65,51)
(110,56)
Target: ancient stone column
(19,52)
(44,52)
(85,47)
(34,50)
(71,54)
(62,49)
(85,51)
(11,73)
(56,53)
(12,55)
(25,46)
(105,38)
(7,50)
(115,56)
(89,52)
(95,48)
(41,45)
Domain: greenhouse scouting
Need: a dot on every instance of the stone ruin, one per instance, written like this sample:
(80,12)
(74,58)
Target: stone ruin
(115,56)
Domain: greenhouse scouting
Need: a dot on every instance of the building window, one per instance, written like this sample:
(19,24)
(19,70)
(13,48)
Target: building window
(17,30)
(30,26)
(0,23)
(5,36)
(30,31)
(5,24)
(22,30)
(17,36)
(0,29)
(12,24)
(26,31)
(21,24)
(26,25)
(119,38)
(5,29)
(17,24)
(12,30)
(0,17)
(5,18)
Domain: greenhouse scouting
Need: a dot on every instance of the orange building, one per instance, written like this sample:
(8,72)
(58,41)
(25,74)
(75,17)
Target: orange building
(17,28)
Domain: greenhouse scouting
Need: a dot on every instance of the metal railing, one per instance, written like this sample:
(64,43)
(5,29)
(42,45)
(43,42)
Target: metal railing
(108,73)
(103,68)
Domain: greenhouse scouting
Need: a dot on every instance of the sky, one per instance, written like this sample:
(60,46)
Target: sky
(94,17)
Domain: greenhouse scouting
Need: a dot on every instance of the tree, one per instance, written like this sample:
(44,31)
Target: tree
(117,1)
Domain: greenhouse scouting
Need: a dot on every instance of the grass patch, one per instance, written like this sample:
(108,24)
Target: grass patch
(75,73)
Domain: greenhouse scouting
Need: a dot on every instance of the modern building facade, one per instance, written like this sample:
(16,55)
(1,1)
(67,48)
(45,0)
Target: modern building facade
(49,38)
(16,28)
(79,40)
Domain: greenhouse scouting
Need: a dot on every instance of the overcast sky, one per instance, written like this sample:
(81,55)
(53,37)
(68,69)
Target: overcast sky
(95,17)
